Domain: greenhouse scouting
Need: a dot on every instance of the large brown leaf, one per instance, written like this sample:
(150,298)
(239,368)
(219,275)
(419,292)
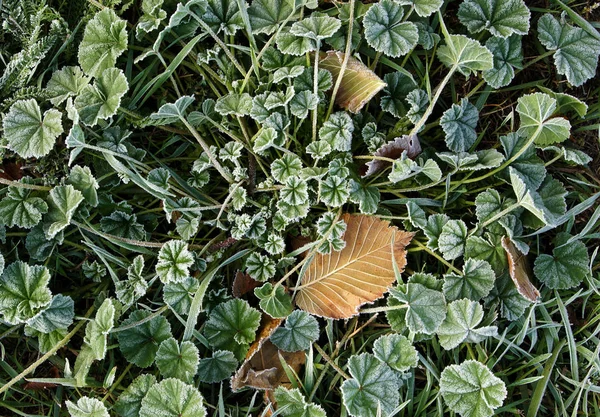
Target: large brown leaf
(337,284)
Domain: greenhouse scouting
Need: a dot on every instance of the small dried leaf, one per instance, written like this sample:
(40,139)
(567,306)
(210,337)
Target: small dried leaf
(337,284)
(359,84)
(519,271)
(243,284)
(393,150)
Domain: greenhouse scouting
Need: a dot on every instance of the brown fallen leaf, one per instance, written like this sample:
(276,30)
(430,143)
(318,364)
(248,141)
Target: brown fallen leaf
(519,271)
(262,368)
(359,84)
(243,284)
(335,285)
(393,150)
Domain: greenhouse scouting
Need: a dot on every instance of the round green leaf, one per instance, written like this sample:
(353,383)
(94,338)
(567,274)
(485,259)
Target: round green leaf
(397,351)
(139,343)
(172,398)
(500,17)
(476,281)
(177,361)
(174,261)
(386,32)
(566,267)
(276,302)
(222,364)
(298,333)
(87,407)
(20,207)
(535,111)
(130,400)
(461,323)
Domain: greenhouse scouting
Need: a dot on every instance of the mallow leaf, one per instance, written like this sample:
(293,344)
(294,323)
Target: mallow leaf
(20,207)
(87,407)
(396,351)
(96,331)
(386,32)
(266,15)
(529,199)
(399,85)
(452,239)
(501,18)
(566,267)
(58,315)
(176,360)
(173,112)
(298,333)
(174,261)
(232,326)
(529,166)
(461,324)
(465,55)
(373,387)
(139,343)
(218,367)
(179,295)
(83,180)
(290,44)
(292,403)
(130,400)
(102,99)
(276,302)
(471,389)
(507,55)
(475,283)
(24,292)
(235,104)
(172,398)
(64,200)
(535,111)
(424,308)
(459,123)
(27,132)
(576,51)
(223,15)
(104,40)
(66,82)
(316,27)
(337,131)
(152,15)
(423,8)
(122,224)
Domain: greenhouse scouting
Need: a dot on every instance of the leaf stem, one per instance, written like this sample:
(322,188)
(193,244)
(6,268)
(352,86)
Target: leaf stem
(434,100)
(24,185)
(438,257)
(316,90)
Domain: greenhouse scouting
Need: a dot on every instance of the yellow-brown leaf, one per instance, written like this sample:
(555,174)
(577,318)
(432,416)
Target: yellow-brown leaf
(337,284)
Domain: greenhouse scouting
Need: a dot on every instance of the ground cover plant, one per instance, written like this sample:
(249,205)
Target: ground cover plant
(299,208)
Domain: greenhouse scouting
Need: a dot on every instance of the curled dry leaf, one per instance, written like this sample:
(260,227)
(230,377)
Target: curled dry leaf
(335,285)
(393,150)
(262,368)
(519,271)
(359,84)
(243,284)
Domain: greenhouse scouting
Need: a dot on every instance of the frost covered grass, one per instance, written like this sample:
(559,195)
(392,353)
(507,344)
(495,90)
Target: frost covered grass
(299,208)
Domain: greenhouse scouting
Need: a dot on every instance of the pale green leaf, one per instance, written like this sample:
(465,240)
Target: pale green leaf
(459,123)
(83,180)
(235,104)
(528,164)
(173,112)
(87,407)
(20,207)
(489,203)
(475,283)
(58,315)
(101,100)
(135,286)
(535,111)
(260,267)
(66,82)
(366,196)
(130,400)
(529,199)
(174,261)
(465,55)
(179,295)
(124,225)
(334,191)
(104,40)
(172,398)
(290,44)
(568,265)
(218,367)
(287,166)
(461,324)
(489,249)
(433,229)
(396,351)
(64,200)
(140,342)
(507,55)
(566,102)
(46,341)
(576,51)
(299,332)
(177,360)
(452,239)
(295,191)
(416,215)
(223,15)
(425,309)
(399,85)
(337,131)
(386,32)
(151,18)
(500,17)
(292,403)
(24,292)
(27,132)
(471,389)
(302,103)
(553,194)
(373,387)
(266,15)
(316,27)
(276,302)
(423,8)
(97,330)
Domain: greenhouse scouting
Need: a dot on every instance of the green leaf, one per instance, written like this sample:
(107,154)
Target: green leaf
(151,18)
(386,32)
(302,103)
(104,40)
(66,82)
(46,341)
(130,400)
(299,332)
(276,302)
(461,325)
(96,331)
(553,194)
(475,283)
(24,292)
(425,308)
(236,104)
(489,203)
(471,389)
(507,55)
(396,351)
(287,166)
(217,368)
(334,191)
(64,200)
(173,112)
(140,342)
(528,164)
(452,239)
(463,161)
(290,44)
(566,102)
(528,199)
(500,17)
(232,326)
(223,15)
(373,387)
(423,8)
(21,208)
(337,131)
(295,191)
(174,261)
(577,51)
(87,407)
(459,123)
(27,132)
(130,290)
(416,215)
(512,303)
(260,267)
(418,100)
(566,267)
(172,398)
(177,361)
(399,85)
(465,55)
(367,197)
(101,100)
(266,15)
(179,295)
(82,179)
(433,229)
(535,111)
(292,403)
(488,249)
(58,315)
(316,27)
(124,225)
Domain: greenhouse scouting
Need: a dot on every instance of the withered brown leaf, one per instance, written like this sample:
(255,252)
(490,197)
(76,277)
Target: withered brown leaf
(519,271)
(393,150)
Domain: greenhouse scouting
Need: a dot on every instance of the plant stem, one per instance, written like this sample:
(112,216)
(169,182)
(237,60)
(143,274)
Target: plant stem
(24,185)
(315,91)
(435,98)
